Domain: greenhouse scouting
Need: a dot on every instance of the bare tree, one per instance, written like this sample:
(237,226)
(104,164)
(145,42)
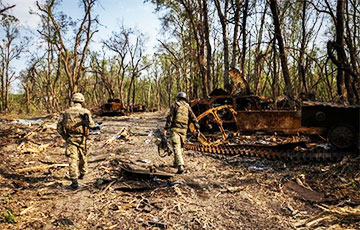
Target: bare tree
(283,56)
(3,8)
(72,56)
(10,50)
(243,32)
(119,43)
(136,53)
(222,13)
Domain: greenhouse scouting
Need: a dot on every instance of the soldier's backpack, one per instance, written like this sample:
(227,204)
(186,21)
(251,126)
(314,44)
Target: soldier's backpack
(74,123)
(182,115)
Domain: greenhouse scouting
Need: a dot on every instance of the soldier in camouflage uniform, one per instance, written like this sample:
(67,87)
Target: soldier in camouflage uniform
(73,130)
(177,122)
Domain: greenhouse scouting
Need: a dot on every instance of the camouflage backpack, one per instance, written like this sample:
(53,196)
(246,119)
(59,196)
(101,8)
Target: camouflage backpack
(182,115)
(73,122)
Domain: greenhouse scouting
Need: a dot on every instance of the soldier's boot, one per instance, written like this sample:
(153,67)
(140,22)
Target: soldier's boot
(81,176)
(180,169)
(74,184)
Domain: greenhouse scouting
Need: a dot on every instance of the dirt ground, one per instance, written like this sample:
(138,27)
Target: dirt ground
(215,192)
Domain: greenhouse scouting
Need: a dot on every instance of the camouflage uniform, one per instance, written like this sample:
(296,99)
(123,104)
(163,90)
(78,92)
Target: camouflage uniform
(177,121)
(72,131)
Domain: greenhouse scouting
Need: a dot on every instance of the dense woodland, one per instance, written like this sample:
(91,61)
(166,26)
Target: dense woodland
(274,48)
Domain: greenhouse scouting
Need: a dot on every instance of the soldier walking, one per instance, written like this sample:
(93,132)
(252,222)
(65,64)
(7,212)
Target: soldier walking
(73,126)
(180,116)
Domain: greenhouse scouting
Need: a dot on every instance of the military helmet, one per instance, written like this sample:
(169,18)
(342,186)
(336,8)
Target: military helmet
(78,97)
(181,95)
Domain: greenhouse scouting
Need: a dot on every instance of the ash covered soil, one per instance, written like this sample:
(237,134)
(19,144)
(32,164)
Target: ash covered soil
(214,192)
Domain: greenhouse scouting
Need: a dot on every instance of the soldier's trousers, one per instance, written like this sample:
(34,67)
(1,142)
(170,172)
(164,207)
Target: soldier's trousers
(77,160)
(177,142)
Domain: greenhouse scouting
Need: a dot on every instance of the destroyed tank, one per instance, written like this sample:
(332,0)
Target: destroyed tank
(222,116)
(113,107)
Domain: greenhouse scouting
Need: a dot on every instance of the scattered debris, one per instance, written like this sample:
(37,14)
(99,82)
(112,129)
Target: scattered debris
(112,197)
(122,134)
(303,192)
(331,215)
(107,187)
(346,212)
(39,168)
(144,161)
(27,122)
(141,172)
(157,224)
(62,222)
(27,210)
(255,168)
(30,147)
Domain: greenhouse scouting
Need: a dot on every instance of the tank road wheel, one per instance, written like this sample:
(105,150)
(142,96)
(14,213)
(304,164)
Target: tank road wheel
(210,118)
(342,136)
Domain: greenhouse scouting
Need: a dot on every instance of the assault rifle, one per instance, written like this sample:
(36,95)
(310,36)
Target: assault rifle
(162,144)
(85,123)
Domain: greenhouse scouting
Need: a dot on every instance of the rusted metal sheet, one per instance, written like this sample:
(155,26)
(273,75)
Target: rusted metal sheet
(239,103)
(327,115)
(286,121)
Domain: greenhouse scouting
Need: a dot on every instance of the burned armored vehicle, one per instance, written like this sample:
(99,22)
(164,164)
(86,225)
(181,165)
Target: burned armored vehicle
(341,123)
(113,107)
(302,131)
(248,114)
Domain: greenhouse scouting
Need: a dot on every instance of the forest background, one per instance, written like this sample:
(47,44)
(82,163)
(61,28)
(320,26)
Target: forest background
(292,48)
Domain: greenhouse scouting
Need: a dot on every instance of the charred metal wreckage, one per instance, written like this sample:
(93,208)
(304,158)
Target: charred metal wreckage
(115,107)
(224,117)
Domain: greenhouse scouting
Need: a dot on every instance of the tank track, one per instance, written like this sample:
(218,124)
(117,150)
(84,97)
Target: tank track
(277,152)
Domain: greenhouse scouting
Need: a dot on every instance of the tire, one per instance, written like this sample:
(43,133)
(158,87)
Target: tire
(342,136)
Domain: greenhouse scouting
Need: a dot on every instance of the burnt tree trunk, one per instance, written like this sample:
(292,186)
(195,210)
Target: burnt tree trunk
(275,83)
(283,57)
(223,17)
(243,31)
(208,45)
(343,83)
(235,54)
(341,89)
(350,42)
(302,70)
